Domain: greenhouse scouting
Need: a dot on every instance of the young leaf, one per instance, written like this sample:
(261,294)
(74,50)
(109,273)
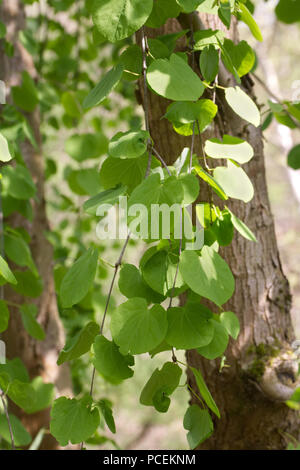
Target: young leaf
(21,435)
(82,147)
(6,272)
(132,285)
(162,10)
(18,251)
(73,420)
(224,13)
(109,362)
(245,16)
(28,284)
(218,344)
(106,410)
(189,327)
(136,329)
(160,386)
(242,105)
(104,87)
(189,5)
(131,144)
(209,63)
(231,323)
(241,55)
(293,159)
(208,275)
(17,182)
(211,181)
(234,181)
(231,147)
(118,19)
(79,344)
(4,316)
(78,280)
(288,11)
(205,393)
(111,196)
(129,173)
(5,155)
(242,228)
(28,313)
(199,424)
(159,272)
(174,79)
(184,114)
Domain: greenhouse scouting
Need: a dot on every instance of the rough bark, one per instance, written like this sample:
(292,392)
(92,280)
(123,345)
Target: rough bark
(38,356)
(262,365)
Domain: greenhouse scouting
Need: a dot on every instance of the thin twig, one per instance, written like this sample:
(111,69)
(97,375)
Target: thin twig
(146,105)
(2,395)
(161,160)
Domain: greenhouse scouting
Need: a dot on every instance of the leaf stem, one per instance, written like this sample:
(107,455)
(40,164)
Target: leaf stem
(2,395)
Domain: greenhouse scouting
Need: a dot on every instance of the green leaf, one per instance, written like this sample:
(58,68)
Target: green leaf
(21,435)
(174,79)
(28,284)
(242,228)
(288,11)
(231,147)
(189,327)
(17,182)
(18,251)
(73,420)
(160,270)
(231,323)
(109,362)
(209,63)
(82,147)
(80,344)
(224,13)
(118,19)
(223,228)
(129,173)
(4,316)
(111,196)
(293,159)
(218,344)
(136,329)
(2,30)
(162,10)
(199,424)
(208,37)
(205,393)
(131,144)
(242,105)
(211,181)
(208,275)
(132,285)
(28,314)
(160,386)
(234,181)
(241,55)
(5,155)
(132,61)
(245,16)
(79,279)
(190,184)
(184,114)
(31,397)
(106,410)
(25,96)
(104,87)
(6,272)
(71,104)
(189,5)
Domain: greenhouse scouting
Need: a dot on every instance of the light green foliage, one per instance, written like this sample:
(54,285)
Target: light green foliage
(79,279)
(107,157)
(118,19)
(137,329)
(174,79)
(199,425)
(208,275)
(21,436)
(73,420)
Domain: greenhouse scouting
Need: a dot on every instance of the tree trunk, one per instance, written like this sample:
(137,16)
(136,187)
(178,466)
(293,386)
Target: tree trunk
(38,356)
(262,365)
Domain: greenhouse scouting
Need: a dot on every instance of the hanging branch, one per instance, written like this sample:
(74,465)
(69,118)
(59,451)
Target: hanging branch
(146,105)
